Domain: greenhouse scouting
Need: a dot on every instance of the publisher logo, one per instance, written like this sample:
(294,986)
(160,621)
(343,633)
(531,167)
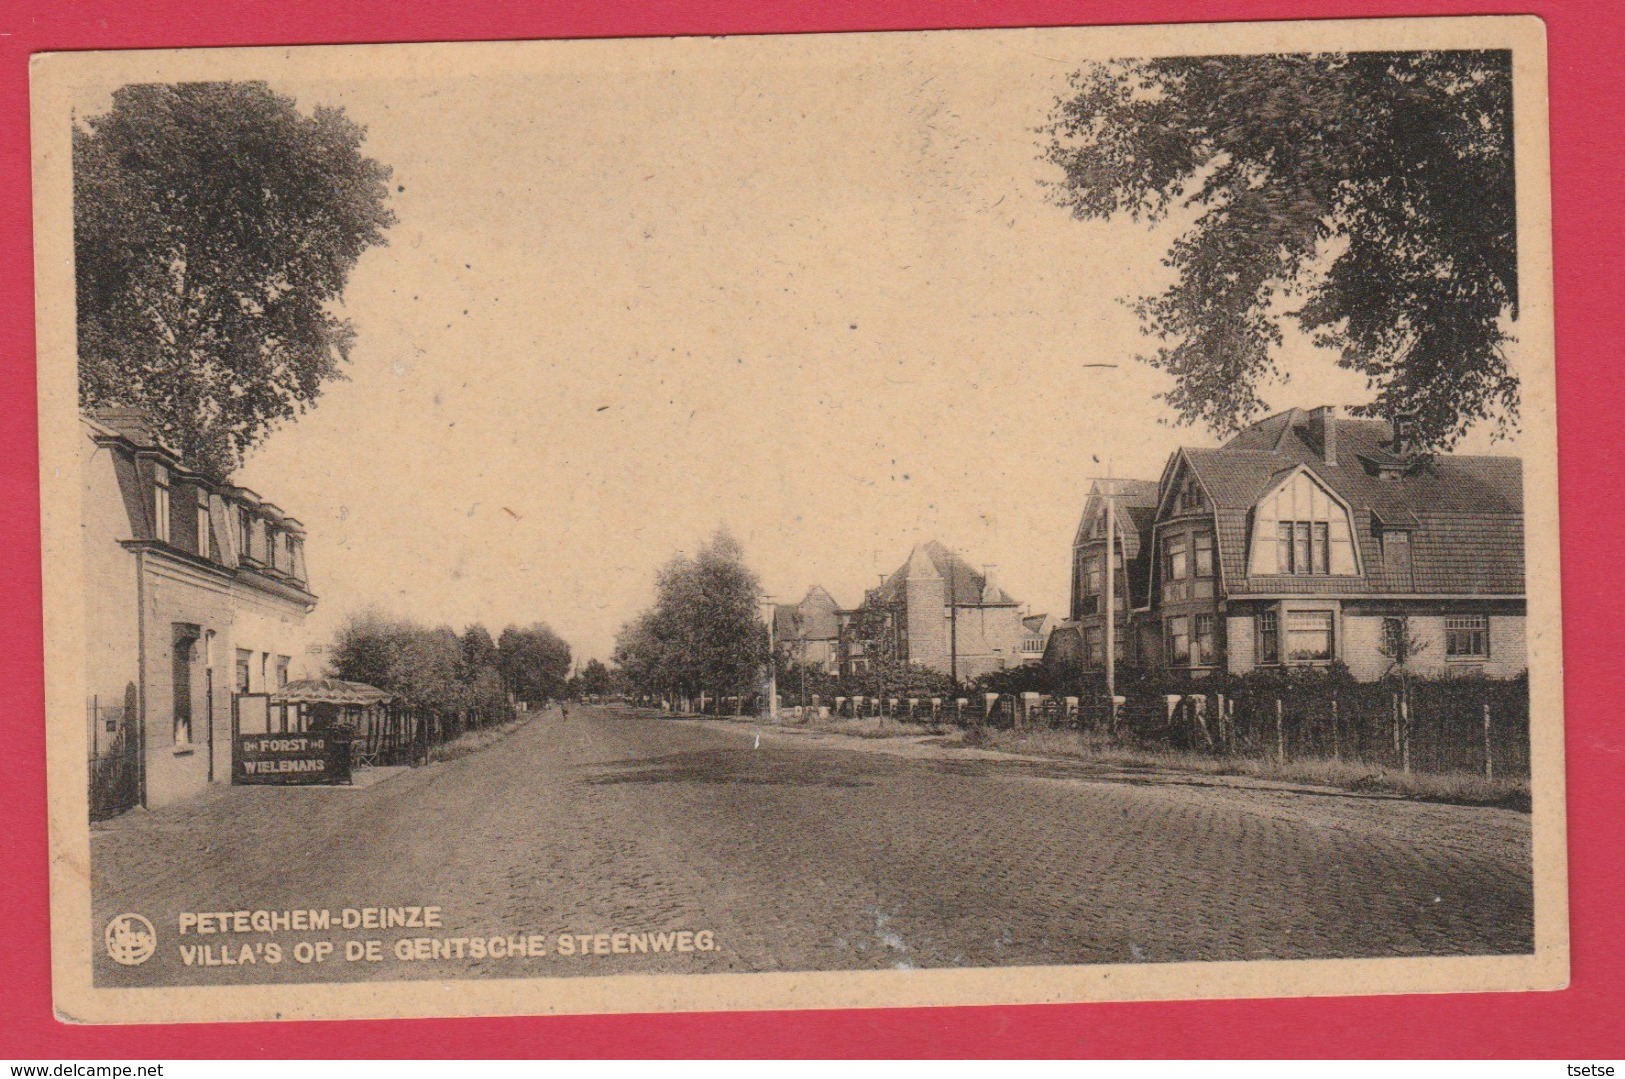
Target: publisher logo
(131,940)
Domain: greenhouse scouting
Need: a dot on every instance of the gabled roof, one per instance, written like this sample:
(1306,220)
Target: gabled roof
(812,619)
(932,560)
(1136,500)
(1465,512)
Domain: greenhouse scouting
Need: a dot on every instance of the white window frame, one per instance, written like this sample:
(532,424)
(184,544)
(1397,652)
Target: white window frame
(160,503)
(1481,630)
(203,522)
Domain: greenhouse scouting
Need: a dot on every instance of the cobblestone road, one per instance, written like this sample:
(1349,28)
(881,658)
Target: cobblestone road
(813,854)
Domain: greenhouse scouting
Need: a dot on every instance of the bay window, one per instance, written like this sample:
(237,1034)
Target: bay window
(1179,641)
(1309,636)
(1207,652)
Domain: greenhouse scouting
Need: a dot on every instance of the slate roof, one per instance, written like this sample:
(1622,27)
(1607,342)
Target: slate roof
(1465,514)
(932,559)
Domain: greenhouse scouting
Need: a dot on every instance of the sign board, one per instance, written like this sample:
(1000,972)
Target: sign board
(285,759)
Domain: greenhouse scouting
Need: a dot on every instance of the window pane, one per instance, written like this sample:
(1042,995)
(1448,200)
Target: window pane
(1204,554)
(1179,641)
(1283,547)
(1206,653)
(1467,635)
(1269,639)
(1322,559)
(1309,635)
(1300,547)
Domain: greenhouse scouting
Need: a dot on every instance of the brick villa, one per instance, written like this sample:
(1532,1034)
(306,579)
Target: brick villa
(1307,538)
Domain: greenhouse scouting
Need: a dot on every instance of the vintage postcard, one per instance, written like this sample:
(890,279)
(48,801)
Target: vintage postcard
(817,521)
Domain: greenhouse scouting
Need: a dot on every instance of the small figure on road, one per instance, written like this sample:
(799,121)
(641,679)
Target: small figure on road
(564,709)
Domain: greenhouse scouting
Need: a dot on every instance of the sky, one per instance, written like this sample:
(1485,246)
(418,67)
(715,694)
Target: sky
(809,289)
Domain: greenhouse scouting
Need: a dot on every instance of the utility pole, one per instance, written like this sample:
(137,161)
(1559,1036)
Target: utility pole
(1108,487)
(1111,590)
(953,617)
(772,662)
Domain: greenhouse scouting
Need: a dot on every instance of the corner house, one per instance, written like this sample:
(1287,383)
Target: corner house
(1311,537)
(195,592)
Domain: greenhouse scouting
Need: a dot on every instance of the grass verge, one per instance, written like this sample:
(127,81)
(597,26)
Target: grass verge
(475,740)
(1457,788)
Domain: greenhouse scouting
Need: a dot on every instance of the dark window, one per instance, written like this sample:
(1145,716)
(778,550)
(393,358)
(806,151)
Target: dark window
(1303,548)
(1094,651)
(160,503)
(1467,637)
(1393,637)
(1174,557)
(1269,637)
(203,522)
(185,638)
(1207,653)
(1203,542)
(1179,641)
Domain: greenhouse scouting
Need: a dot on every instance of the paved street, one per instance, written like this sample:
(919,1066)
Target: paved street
(814,853)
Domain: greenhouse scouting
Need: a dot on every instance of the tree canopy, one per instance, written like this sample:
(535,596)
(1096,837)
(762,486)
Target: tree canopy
(1374,190)
(215,226)
(535,662)
(705,631)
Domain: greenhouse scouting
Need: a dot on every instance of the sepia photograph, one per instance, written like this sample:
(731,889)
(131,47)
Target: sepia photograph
(806,521)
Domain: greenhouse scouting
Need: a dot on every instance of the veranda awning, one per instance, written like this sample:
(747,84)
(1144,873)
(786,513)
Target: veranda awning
(329,691)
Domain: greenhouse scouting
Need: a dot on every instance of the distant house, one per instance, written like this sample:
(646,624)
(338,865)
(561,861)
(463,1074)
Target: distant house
(194,591)
(1134,511)
(1310,537)
(1035,639)
(937,611)
(810,631)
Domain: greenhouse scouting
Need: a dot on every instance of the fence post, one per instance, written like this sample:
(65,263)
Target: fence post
(1280,734)
(1405,735)
(1337,749)
(1489,760)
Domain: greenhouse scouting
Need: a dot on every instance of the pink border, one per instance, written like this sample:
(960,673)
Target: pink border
(1588,133)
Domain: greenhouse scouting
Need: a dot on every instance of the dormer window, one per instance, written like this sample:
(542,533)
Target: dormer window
(1396,549)
(160,503)
(203,522)
(1190,497)
(1301,530)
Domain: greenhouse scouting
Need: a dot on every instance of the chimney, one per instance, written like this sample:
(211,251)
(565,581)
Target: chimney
(1323,425)
(990,589)
(1401,421)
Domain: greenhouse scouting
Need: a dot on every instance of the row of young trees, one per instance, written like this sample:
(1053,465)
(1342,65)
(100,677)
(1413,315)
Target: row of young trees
(438,669)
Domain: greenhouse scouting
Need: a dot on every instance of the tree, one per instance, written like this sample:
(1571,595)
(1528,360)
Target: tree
(215,226)
(1375,188)
(704,632)
(535,662)
(479,650)
(594,680)
(421,666)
